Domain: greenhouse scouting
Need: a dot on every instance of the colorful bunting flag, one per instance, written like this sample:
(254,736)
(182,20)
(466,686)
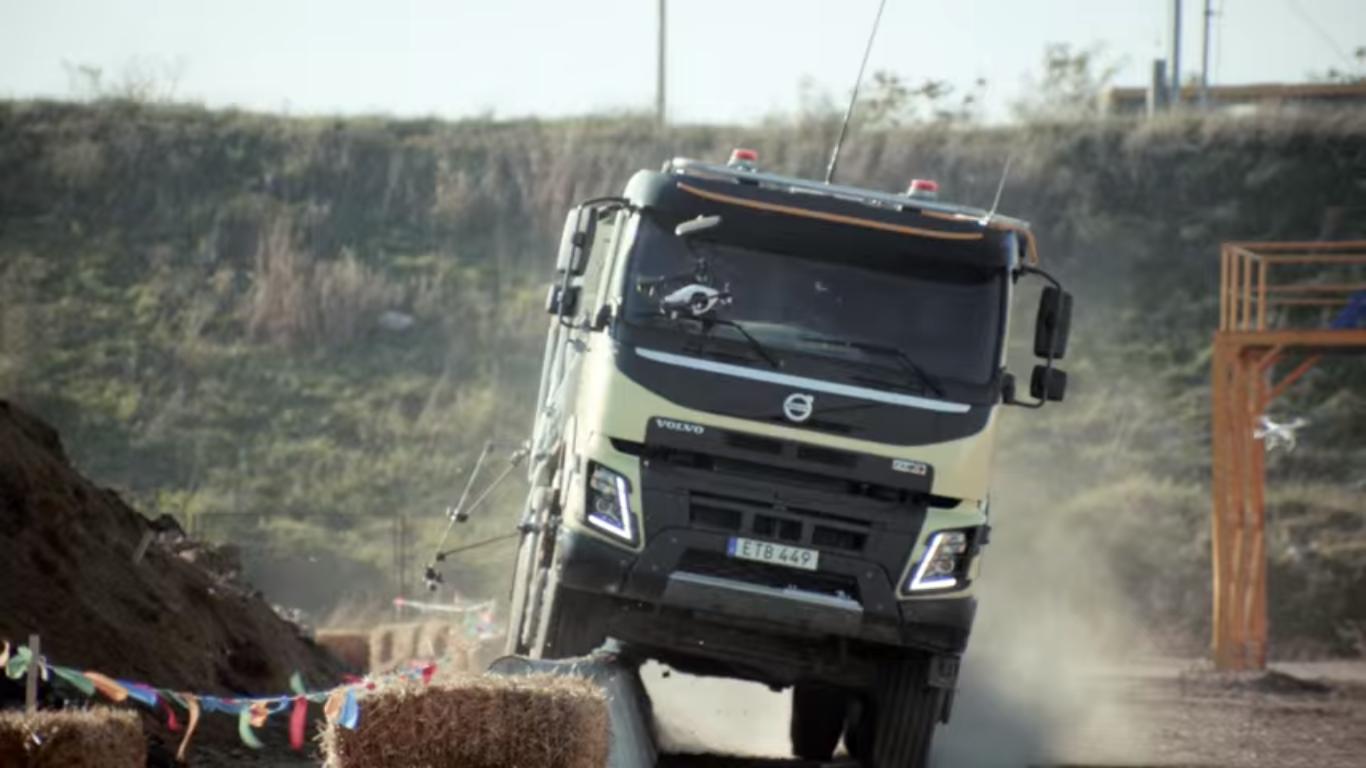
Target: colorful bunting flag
(244,728)
(298,720)
(16,666)
(350,714)
(111,690)
(192,706)
(75,680)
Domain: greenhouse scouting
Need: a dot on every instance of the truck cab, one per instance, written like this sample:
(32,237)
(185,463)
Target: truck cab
(763,439)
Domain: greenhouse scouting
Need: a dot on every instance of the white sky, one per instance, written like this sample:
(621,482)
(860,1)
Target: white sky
(729,59)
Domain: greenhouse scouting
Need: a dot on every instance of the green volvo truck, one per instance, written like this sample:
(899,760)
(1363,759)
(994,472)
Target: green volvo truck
(763,439)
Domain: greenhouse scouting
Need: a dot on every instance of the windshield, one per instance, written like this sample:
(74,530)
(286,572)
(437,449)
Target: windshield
(892,311)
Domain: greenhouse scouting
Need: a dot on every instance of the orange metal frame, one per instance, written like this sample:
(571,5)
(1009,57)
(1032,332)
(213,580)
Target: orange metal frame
(1259,325)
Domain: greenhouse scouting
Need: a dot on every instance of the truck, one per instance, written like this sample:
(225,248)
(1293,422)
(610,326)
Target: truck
(763,436)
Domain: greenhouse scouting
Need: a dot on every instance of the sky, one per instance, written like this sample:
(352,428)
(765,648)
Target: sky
(729,60)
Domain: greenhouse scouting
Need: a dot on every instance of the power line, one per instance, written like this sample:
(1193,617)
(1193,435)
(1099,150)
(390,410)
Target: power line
(1219,39)
(1322,33)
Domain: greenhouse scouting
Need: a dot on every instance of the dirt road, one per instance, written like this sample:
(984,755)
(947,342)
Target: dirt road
(1163,714)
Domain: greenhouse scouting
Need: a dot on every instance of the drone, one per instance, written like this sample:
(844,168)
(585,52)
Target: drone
(1278,435)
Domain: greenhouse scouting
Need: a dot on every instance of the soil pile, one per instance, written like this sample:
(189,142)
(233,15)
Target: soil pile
(110,591)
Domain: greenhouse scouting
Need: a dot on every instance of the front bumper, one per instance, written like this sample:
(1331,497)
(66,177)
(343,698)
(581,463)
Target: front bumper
(660,578)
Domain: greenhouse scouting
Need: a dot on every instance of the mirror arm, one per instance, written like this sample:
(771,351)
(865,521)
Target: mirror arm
(1026,269)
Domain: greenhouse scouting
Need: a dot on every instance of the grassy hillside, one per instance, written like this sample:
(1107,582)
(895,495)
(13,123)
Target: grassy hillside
(198,301)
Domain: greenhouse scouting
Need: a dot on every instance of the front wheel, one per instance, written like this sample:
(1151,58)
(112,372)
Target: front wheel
(894,725)
(818,714)
(573,623)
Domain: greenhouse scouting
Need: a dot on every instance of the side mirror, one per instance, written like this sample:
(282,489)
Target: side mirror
(1048,384)
(1053,324)
(576,240)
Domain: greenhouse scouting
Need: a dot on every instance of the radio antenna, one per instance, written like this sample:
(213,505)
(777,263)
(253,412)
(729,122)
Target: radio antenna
(853,99)
(1000,188)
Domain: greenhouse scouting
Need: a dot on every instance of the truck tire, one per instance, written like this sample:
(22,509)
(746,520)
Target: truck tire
(523,568)
(529,574)
(896,721)
(574,623)
(818,715)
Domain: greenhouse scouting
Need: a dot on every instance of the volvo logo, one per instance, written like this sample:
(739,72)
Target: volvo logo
(798,407)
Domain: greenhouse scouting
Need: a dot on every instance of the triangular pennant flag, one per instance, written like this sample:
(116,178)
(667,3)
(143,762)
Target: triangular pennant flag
(298,719)
(260,711)
(333,707)
(172,724)
(192,705)
(75,680)
(244,729)
(17,664)
(112,690)
(296,684)
(428,672)
(143,694)
(177,698)
(350,714)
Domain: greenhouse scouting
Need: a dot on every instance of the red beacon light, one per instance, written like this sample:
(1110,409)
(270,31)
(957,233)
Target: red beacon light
(744,159)
(925,189)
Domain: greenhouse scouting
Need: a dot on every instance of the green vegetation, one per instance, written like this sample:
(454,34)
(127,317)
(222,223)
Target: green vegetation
(197,300)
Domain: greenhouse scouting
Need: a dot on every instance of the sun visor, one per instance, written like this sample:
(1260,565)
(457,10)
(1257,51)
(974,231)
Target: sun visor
(818,225)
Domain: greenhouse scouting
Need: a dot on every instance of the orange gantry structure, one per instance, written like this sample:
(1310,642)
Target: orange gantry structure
(1280,305)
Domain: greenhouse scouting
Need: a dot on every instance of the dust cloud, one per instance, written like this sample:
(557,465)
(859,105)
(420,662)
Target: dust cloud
(1041,682)
(1042,678)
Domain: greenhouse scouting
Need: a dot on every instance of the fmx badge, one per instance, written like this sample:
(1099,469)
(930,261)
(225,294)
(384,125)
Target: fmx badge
(798,406)
(919,468)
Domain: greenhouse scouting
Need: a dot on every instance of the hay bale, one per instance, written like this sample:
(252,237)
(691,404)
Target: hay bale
(90,738)
(477,722)
(394,645)
(350,646)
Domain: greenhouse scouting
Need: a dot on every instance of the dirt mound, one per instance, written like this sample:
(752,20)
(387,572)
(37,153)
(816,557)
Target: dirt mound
(174,617)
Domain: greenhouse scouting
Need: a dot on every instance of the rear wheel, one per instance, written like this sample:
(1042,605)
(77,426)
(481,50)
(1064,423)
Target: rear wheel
(818,714)
(895,722)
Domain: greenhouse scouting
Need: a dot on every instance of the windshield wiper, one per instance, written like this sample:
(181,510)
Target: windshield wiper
(927,381)
(708,323)
(759,349)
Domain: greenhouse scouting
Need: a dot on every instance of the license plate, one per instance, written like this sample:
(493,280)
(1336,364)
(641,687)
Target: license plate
(778,554)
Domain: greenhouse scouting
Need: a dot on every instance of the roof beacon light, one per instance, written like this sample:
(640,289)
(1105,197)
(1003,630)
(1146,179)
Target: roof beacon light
(744,159)
(925,189)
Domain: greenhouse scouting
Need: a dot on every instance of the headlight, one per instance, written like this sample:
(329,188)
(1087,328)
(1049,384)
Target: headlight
(608,506)
(944,564)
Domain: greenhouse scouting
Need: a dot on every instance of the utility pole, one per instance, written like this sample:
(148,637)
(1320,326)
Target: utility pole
(1204,55)
(1176,53)
(660,73)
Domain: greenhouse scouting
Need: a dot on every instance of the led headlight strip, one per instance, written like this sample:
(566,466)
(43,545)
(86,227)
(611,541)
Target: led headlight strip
(608,506)
(940,566)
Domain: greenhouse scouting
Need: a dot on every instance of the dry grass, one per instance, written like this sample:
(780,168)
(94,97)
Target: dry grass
(483,722)
(93,738)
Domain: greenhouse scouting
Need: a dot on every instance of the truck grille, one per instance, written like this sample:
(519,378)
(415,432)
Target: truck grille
(794,525)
